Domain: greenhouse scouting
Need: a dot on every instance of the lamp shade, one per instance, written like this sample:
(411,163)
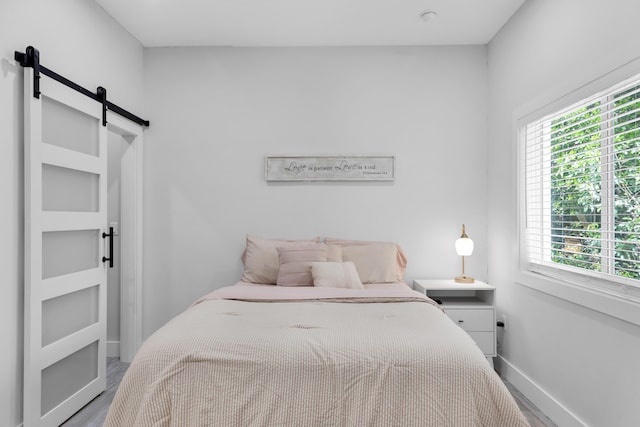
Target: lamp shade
(464,246)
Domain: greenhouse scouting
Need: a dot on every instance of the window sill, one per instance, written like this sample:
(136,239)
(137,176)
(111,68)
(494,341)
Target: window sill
(601,301)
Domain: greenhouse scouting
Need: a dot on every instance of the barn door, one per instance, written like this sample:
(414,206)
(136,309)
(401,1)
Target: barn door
(65,275)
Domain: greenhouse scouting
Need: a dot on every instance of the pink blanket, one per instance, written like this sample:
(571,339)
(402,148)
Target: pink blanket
(260,355)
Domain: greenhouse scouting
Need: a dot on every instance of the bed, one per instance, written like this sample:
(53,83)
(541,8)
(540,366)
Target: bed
(263,354)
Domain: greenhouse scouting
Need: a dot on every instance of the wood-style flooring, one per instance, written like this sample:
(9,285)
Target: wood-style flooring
(94,414)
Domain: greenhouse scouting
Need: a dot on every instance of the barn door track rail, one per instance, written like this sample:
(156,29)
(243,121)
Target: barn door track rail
(31,58)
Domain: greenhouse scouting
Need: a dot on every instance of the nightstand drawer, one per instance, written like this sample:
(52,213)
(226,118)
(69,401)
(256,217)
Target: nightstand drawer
(484,340)
(472,320)
(468,305)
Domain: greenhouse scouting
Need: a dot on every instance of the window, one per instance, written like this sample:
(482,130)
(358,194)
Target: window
(582,187)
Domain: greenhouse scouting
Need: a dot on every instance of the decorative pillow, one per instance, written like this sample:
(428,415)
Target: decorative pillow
(295,263)
(260,258)
(399,260)
(335,275)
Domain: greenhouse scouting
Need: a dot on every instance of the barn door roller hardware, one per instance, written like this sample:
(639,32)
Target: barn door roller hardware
(31,58)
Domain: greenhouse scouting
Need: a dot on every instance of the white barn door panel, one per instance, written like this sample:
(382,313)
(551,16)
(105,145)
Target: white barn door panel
(65,276)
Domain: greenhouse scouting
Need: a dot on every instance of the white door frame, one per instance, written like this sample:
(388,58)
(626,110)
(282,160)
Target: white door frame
(130,234)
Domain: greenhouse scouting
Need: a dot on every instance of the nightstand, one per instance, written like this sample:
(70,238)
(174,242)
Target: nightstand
(470,305)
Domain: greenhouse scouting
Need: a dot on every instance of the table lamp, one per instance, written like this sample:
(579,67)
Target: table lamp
(464,247)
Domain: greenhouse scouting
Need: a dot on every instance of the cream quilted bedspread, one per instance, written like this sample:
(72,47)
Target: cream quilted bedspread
(398,361)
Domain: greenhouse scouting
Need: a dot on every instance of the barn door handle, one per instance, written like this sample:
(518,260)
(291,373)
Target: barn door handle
(104,236)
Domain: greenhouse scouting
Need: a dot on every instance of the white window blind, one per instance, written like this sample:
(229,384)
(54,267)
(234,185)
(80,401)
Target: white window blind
(582,186)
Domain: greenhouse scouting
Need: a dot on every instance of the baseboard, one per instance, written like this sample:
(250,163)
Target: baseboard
(553,409)
(113,348)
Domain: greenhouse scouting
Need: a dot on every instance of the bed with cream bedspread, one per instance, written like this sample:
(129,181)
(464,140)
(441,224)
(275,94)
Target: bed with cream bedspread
(258,355)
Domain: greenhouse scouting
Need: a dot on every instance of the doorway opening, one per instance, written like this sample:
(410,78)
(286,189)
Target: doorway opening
(124,281)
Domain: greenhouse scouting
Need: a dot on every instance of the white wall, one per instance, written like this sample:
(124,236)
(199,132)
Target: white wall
(584,364)
(79,40)
(216,112)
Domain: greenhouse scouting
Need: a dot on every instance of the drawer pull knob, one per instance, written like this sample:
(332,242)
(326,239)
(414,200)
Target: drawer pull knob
(460,321)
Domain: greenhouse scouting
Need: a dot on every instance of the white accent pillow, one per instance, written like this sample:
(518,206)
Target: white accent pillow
(335,275)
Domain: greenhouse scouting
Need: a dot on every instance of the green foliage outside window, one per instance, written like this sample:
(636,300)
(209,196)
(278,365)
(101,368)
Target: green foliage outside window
(627,183)
(577,157)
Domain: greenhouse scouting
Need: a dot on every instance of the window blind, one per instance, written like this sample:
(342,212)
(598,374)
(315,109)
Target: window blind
(582,185)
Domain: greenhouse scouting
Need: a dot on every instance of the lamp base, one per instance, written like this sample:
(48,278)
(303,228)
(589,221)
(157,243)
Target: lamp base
(464,279)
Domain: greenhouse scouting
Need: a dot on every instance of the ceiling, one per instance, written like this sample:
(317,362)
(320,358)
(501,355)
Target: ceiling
(160,23)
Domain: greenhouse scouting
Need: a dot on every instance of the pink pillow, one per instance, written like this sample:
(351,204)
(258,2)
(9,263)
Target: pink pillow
(393,262)
(295,263)
(260,258)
